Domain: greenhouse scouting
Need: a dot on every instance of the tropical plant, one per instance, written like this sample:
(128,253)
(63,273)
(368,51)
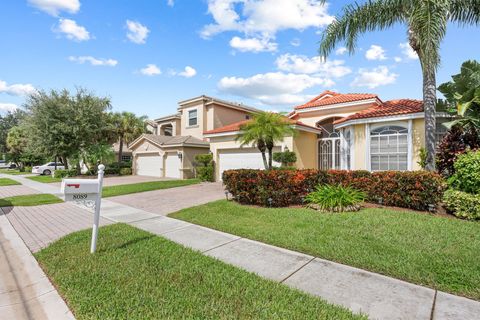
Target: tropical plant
(263,131)
(467,173)
(127,127)
(335,198)
(204,167)
(462,96)
(426,22)
(286,158)
(462,204)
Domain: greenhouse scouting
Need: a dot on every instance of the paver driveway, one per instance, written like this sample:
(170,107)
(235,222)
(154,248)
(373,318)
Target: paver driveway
(15,190)
(170,200)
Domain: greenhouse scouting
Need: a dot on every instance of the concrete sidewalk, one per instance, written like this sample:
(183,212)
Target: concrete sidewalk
(378,296)
(25,291)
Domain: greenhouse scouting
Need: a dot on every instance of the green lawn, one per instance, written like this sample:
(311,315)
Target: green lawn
(8,182)
(438,252)
(29,200)
(12,171)
(145,186)
(137,275)
(45,179)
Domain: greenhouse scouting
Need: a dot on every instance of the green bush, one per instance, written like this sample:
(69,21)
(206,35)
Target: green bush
(462,204)
(125,171)
(204,167)
(27,169)
(335,198)
(64,173)
(286,158)
(467,173)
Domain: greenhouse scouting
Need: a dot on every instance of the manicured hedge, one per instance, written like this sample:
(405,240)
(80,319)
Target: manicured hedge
(280,188)
(462,204)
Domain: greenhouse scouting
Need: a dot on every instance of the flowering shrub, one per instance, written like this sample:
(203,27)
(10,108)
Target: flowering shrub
(280,188)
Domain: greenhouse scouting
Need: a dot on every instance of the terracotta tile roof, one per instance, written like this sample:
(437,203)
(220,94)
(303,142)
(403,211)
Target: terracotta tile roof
(329,97)
(236,126)
(387,108)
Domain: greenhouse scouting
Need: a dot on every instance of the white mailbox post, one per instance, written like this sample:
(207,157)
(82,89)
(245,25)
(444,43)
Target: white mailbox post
(86,190)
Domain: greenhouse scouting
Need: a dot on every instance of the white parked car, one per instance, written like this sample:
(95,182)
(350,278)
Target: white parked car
(7,165)
(47,168)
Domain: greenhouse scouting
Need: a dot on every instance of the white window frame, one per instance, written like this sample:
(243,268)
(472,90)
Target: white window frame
(344,147)
(188,117)
(405,124)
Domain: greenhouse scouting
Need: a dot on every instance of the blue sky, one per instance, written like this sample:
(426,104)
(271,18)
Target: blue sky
(148,55)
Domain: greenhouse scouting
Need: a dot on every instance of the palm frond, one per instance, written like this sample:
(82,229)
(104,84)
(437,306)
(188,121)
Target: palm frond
(465,12)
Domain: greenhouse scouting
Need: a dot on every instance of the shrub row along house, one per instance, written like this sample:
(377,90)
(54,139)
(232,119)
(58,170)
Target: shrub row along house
(334,131)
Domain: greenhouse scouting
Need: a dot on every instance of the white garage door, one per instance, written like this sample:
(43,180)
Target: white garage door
(149,165)
(172,166)
(242,159)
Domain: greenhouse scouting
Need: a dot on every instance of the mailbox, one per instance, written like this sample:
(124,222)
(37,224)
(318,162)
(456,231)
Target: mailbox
(80,189)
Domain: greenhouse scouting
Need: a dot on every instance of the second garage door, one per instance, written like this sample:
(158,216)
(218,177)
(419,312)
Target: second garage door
(149,165)
(241,159)
(172,166)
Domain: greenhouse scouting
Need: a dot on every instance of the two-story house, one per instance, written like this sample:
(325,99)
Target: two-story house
(175,140)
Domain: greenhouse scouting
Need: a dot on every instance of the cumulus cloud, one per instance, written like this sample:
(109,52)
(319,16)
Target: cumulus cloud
(188,72)
(253,44)
(137,32)
(170,3)
(341,51)
(272,88)
(151,70)
(315,65)
(407,51)
(72,30)
(372,78)
(17,89)
(7,107)
(375,53)
(295,42)
(93,61)
(54,7)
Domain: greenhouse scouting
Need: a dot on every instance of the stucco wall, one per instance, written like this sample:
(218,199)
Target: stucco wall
(311,118)
(223,116)
(189,154)
(359,147)
(418,140)
(197,130)
(305,147)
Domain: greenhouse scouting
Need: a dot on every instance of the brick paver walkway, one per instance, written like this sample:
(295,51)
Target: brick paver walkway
(17,190)
(41,225)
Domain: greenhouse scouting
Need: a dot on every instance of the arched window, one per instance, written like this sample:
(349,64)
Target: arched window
(389,148)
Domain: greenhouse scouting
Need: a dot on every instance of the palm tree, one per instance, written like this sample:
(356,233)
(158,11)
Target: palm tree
(263,131)
(127,127)
(426,21)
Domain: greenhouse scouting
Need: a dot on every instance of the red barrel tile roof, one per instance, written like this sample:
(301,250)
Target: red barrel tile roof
(329,98)
(236,126)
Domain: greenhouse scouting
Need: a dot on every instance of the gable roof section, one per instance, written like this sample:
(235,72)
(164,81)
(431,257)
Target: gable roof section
(386,109)
(167,141)
(234,127)
(209,100)
(327,98)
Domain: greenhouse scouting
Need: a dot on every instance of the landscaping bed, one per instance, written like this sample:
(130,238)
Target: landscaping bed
(29,200)
(137,275)
(119,190)
(434,251)
(8,182)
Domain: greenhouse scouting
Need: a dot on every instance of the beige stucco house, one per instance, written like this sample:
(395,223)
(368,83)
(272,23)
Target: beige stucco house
(339,131)
(170,149)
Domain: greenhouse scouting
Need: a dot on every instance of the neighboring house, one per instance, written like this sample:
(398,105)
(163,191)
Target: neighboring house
(175,140)
(339,131)
(126,152)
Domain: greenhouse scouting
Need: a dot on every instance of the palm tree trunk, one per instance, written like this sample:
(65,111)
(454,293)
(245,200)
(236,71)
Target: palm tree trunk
(270,157)
(264,157)
(120,150)
(429,102)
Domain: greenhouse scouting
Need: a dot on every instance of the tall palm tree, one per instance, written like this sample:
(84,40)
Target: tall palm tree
(263,131)
(426,21)
(127,127)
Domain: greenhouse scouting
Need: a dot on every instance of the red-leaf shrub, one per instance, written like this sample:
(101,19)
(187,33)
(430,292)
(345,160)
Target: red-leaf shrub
(280,188)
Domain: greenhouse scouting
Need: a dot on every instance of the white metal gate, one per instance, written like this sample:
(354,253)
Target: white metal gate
(329,153)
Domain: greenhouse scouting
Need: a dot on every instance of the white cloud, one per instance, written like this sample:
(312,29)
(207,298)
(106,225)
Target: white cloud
(273,88)
(407,51)
(373,78)
(150,70)
(72,30)
(397,59)
(375,53)
(253,44)
(17,89)
(189,72)
(137,32)
(7,107)
(295,42)
(265,16)
(170,3)
(54,7)
(341,51)
(94,61)
(315,65)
